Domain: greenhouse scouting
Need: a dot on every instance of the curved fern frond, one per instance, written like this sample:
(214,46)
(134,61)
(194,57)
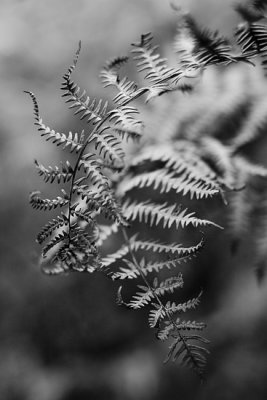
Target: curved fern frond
(92,170)
(132,272)
(46,204)
(173,308)
(151,62)
(108,146)
(165,181)
(51,227)
(89,108)
(127,89)
(73,140)
(100,201)
(124,121)
(63,174)
(142,298)
(153,214)
(63,235)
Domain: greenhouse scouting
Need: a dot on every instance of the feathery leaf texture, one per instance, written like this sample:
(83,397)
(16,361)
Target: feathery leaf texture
(104,178)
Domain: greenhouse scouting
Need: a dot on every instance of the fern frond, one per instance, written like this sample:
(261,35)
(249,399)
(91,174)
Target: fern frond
(127,90)
(168,285)
(83,215)
(155,315)
(73,140)
(173,308)
(190,325)
(141,298)
(109,73)
(108,146)
(100,201)
(200,47)
(93,171)
(94,111)
(252,38)
(46,204)
(132,272)
(125,122)
(151,62)
(165,181)
(182,157)
(63,235)
(51,227)
(165,332)
(192,355)
(172,248)
(63,174)
(153,214)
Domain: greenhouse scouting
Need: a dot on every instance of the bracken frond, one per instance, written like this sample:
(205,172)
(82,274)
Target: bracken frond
(153,214)
(46,204)
(51,227)
(51,174)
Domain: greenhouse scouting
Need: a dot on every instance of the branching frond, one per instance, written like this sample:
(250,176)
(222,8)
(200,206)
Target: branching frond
(173,308)
(51,227)
(46,204)
(74,141)
(166,181)
(108,146)
(153,214)
(63,174)
(149,61)
(127,90)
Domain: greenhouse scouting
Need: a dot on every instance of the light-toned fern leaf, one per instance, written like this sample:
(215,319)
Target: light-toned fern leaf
(168,285)
(124,121)
(141,298)
(108,146)
(173,308)
(92,170)
(153,214)
(151,62)
(155,315)
(147,267)
(171,248)
(127,90)
(165,181)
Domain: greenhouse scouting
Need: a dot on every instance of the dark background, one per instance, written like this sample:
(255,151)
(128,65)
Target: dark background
(64,338)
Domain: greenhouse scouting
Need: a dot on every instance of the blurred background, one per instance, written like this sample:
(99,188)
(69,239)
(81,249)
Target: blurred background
(64,338)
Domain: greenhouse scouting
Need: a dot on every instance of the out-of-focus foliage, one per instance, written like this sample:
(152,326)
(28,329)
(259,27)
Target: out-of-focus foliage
(53,345)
